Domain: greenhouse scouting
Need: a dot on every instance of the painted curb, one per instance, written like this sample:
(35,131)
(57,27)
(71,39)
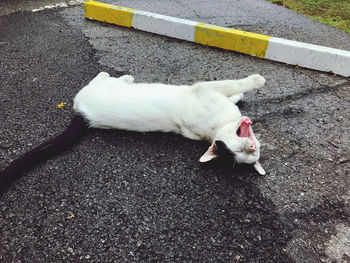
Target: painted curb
(272,48)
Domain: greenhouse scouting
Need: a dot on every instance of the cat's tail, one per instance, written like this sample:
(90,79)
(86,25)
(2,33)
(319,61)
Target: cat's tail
(76,129)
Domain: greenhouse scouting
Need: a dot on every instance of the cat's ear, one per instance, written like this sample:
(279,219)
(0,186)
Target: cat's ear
(258,167)
(209,154)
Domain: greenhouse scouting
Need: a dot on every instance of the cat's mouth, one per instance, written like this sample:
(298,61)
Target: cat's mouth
(245,130)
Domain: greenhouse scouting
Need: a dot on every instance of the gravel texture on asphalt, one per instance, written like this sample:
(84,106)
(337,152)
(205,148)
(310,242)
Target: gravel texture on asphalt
(131,197)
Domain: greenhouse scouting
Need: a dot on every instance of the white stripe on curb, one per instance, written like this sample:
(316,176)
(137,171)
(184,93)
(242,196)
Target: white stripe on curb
(309,56)
(164,25)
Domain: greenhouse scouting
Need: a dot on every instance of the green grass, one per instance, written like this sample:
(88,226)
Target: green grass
(335,13)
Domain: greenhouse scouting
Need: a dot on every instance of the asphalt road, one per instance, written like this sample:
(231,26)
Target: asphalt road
(130,197)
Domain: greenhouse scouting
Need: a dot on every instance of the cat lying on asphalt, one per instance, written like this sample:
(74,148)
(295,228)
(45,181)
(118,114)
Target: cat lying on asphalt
(203,111)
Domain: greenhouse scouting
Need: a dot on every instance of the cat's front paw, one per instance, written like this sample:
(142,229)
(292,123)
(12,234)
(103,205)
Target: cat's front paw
(258,80)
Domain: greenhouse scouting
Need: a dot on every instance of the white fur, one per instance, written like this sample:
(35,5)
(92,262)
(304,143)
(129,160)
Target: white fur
(203,111)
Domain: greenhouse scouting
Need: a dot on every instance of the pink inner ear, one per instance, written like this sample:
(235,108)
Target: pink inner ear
(209,154)
(259,169)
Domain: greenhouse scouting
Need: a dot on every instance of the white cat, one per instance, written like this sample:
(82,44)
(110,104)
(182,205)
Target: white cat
(203,111)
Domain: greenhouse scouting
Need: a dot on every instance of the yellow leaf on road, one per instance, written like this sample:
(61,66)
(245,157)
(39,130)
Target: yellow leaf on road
(62,104)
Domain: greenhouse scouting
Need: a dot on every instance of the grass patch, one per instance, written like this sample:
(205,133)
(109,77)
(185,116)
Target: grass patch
(335,13)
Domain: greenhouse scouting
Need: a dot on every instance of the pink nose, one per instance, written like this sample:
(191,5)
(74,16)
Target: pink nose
(252,148)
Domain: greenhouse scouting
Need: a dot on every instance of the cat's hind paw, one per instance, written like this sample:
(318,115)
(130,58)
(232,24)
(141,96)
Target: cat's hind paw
(236,98)
(103,75)
(99,77)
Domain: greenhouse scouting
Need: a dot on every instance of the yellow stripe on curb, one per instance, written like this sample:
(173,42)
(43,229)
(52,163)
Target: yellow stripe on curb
(113,14)
(231,39)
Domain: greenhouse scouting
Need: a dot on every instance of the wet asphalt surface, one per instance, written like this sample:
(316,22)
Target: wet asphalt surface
(131,197)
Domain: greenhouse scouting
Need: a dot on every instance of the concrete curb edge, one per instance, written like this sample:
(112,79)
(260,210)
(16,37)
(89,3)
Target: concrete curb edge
(276,49)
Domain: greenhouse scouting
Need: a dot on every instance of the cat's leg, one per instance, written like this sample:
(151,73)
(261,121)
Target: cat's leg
(99,77)
(127,79)
(236,98)
(232,87)
(188,134)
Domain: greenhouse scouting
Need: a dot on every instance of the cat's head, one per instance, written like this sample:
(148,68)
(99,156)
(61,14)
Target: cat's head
(238,140)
